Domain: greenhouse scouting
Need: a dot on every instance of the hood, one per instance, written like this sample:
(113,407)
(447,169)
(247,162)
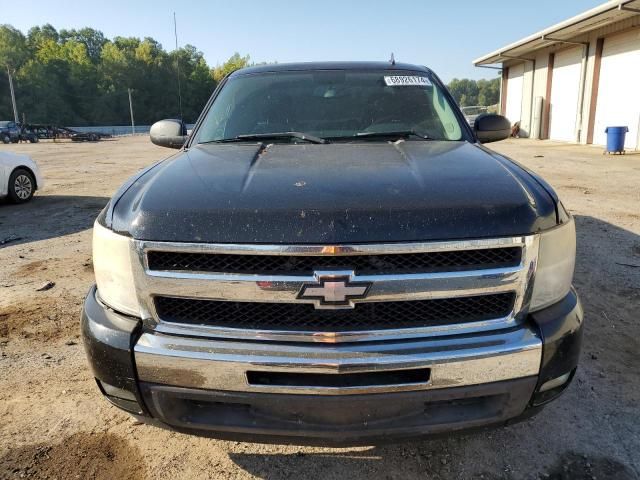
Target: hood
(330,194)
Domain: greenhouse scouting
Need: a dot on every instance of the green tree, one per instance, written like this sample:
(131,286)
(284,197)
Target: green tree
(14,52)
(92,39)
(13,47)
(58,83)
(79,77)
(38,35)
(475,92)
(235,62)
(489,91)
(196,80)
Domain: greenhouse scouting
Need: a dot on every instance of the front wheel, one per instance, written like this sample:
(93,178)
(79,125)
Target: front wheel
(6,139)
(22,185)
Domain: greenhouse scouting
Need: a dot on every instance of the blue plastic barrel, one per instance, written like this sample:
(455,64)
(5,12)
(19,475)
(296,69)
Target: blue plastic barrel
(615,138)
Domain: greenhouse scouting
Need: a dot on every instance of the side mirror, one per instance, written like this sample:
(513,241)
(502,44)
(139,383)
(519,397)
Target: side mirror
(490,127)
(169,133)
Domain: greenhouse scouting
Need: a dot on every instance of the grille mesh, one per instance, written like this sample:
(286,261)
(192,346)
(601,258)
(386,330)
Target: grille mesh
(304,317)
(363,264)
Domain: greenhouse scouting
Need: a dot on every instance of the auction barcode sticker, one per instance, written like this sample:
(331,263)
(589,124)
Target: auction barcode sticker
(406,81)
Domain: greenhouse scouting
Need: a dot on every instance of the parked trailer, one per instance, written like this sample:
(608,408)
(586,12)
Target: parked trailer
(54,132)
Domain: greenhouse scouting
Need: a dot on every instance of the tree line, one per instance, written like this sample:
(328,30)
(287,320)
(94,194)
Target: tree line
(475,92)
(80,77)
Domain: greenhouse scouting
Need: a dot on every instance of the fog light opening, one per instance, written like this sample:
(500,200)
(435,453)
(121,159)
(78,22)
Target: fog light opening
(120,397)
(116,392)
(555,382)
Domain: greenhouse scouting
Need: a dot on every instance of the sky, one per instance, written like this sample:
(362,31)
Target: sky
(445,35)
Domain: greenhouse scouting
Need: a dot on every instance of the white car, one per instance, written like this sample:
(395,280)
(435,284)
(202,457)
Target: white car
(19,177)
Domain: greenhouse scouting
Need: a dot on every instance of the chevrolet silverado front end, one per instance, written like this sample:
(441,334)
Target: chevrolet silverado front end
(381,276)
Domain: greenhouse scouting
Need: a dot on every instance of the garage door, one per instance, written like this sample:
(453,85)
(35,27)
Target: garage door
(618,101)
(514,93)
(565,86)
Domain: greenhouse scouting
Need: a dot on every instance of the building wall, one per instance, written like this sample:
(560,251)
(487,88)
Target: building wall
(535,79)
(514,100)
(618,100)
(540,88)
(527,92)
(588,89)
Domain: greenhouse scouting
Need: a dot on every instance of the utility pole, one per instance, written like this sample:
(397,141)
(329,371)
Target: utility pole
(133,127)
(13,95)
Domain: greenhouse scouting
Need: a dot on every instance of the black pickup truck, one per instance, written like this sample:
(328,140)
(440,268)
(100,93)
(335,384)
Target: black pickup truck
(333,257)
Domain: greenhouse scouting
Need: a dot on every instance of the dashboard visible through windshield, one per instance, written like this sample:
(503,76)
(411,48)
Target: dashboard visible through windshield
(330,105)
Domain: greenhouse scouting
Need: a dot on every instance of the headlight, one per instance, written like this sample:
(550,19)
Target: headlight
(556,261)
(112,268)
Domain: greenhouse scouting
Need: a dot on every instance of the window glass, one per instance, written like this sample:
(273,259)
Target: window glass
(330,103)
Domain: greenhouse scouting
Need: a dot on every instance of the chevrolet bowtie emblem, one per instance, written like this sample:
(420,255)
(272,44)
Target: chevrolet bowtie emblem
(334,291)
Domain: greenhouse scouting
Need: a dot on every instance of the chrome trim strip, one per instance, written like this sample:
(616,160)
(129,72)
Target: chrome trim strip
(270,288)
(256,288)
(332,250)
(336,337)
(222,365)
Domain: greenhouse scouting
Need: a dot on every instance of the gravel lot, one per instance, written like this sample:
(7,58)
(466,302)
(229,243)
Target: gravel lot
(53,423)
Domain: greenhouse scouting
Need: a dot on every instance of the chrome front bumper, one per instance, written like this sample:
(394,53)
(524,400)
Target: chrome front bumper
(453,361)
(200,386)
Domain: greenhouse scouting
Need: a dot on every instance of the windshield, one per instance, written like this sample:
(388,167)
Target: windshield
(4,124)
(330,104)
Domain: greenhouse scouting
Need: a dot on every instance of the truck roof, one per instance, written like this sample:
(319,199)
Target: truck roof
(306,66)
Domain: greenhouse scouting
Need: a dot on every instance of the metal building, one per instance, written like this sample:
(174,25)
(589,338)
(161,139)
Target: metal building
(573,79)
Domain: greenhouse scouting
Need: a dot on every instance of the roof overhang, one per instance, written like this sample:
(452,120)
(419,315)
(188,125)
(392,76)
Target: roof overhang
(563,32)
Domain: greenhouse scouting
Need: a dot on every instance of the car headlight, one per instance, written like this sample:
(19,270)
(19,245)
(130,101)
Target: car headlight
(112,268)
(556,262)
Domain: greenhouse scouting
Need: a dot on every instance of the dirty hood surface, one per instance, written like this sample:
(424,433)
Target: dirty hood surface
(335,193)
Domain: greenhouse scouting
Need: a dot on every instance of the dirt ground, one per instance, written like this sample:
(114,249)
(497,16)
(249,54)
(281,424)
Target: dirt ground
(53,423)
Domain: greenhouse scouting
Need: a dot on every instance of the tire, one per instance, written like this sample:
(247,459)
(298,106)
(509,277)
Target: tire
(6,139)
(33,139)
(22,186)
(93,137)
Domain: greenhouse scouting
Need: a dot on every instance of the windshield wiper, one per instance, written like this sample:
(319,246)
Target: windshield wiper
(271,136)
(394,134)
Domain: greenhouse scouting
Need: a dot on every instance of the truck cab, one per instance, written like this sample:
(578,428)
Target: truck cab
(333,256)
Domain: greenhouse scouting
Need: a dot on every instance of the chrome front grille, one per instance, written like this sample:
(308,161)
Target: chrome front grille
(252,291)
